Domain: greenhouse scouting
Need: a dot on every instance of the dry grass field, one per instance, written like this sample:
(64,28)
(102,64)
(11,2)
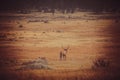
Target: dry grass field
(26,38)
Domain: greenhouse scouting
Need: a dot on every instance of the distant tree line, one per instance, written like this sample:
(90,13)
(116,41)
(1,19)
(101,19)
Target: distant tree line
(67,6)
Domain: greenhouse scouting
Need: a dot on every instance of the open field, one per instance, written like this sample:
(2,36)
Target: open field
(28,37)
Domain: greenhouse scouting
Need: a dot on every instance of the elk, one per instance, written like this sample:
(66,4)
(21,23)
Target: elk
(63,53)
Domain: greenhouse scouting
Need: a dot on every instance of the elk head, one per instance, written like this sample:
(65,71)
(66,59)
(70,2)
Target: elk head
(65,49)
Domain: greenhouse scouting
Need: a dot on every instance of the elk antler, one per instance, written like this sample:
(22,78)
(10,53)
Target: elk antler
(68,47)
(62,47)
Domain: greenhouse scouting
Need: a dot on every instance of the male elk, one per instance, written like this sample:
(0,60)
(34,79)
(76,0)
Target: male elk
(63,53)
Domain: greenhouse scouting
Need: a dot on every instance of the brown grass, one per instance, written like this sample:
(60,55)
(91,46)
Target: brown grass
(61,75)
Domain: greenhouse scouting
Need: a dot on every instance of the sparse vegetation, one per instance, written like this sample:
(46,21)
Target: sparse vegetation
(45,21)
(60,75)
(21,26)
(25,64)
(40,63)
(101,63)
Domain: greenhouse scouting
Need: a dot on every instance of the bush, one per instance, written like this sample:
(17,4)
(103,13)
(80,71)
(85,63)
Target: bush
(40,63)
(20,26)
(101,63)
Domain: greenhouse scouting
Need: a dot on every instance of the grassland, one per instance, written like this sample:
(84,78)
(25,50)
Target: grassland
(26,37)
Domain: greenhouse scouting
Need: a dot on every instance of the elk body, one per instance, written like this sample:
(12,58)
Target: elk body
(63,53)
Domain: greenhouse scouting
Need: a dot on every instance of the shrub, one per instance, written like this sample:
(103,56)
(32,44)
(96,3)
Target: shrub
(101,63)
